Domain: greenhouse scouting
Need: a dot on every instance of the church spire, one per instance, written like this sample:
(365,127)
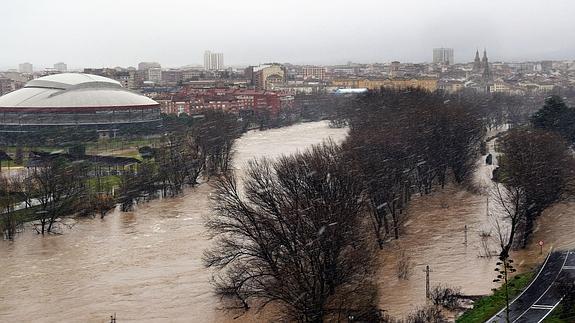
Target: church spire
(486,71)
(477,62)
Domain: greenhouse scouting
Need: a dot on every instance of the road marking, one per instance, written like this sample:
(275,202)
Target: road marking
(540,297)
(568,268)
(496,316)
(546,314)
(541,307)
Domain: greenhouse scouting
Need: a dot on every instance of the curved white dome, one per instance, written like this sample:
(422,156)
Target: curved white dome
(72,79)
(73,90)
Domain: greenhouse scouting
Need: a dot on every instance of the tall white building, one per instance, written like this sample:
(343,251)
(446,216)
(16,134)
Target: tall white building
(26,68)
(443,56)
(61,67)
(213,61)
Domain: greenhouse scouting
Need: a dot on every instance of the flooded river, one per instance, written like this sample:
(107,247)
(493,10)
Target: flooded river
(146,265)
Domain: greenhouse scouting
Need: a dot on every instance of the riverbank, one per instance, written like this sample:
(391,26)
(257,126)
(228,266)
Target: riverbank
(485,307)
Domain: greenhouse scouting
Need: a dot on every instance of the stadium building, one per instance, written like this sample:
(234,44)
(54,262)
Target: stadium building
(83,103)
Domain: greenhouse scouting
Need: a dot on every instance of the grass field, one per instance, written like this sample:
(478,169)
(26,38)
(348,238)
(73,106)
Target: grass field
(487,306)
(106,183)
(111,147)
(26,215)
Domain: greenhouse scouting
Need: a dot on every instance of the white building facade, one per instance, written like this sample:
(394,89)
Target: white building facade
(443,56)
(213,61)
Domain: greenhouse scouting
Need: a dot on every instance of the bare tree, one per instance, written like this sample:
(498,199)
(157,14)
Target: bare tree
(58,187)
(102,203)
(510,203)
(484,245)
(293,236)
(215,135)
(446,296)
(405,142)
(172,159)
(427,314)
(536,169)
(404,265)
(129,191)
(9,197)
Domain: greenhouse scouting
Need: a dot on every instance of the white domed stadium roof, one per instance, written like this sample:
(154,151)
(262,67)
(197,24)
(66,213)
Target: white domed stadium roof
(73,90)
(72,79)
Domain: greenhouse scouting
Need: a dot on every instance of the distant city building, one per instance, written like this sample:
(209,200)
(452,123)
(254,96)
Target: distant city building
(443,56)
(172,76)
(546,66)
(481,66)
(191,74)
(425,83)
(26,68)
(17,76)
(394,68)
(61,67)
(144,66)
(6,85)
(193,100)
(213,61)
(125,77)
(313,72)
(450,86)
(264,77)
(154,75)
(485,64)
(477,62)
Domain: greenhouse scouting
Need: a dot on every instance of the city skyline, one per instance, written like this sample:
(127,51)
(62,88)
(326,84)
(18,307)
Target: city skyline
(201,66)
(315,33)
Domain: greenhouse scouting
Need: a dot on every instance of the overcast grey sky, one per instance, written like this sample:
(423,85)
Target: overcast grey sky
(95,33)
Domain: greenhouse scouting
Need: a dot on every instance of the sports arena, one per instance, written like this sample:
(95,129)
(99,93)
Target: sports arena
(76,102)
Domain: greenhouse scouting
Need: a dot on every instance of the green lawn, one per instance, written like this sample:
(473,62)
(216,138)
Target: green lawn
(100,147)
(106,183)
(110,145)
(487,306)
(26,215)
(12,149)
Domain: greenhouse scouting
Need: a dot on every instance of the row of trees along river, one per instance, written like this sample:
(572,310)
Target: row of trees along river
(299,236)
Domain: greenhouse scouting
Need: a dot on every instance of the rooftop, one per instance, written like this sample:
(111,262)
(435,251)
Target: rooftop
(73,90)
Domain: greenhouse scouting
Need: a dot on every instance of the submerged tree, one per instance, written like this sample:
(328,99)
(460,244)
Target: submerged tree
(405,142)
(536,169)
(9,197)
(59,187)
(215,135)
(294,236)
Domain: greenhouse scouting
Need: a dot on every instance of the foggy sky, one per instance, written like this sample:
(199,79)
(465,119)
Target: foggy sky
(96,33)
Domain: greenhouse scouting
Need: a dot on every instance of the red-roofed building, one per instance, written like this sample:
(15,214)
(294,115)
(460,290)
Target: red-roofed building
(231,100)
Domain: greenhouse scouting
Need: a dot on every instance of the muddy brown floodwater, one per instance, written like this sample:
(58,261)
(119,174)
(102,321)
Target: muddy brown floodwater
(146,265)
(434,235)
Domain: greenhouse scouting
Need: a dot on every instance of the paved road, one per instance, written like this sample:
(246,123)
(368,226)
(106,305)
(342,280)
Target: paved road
(541,296)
